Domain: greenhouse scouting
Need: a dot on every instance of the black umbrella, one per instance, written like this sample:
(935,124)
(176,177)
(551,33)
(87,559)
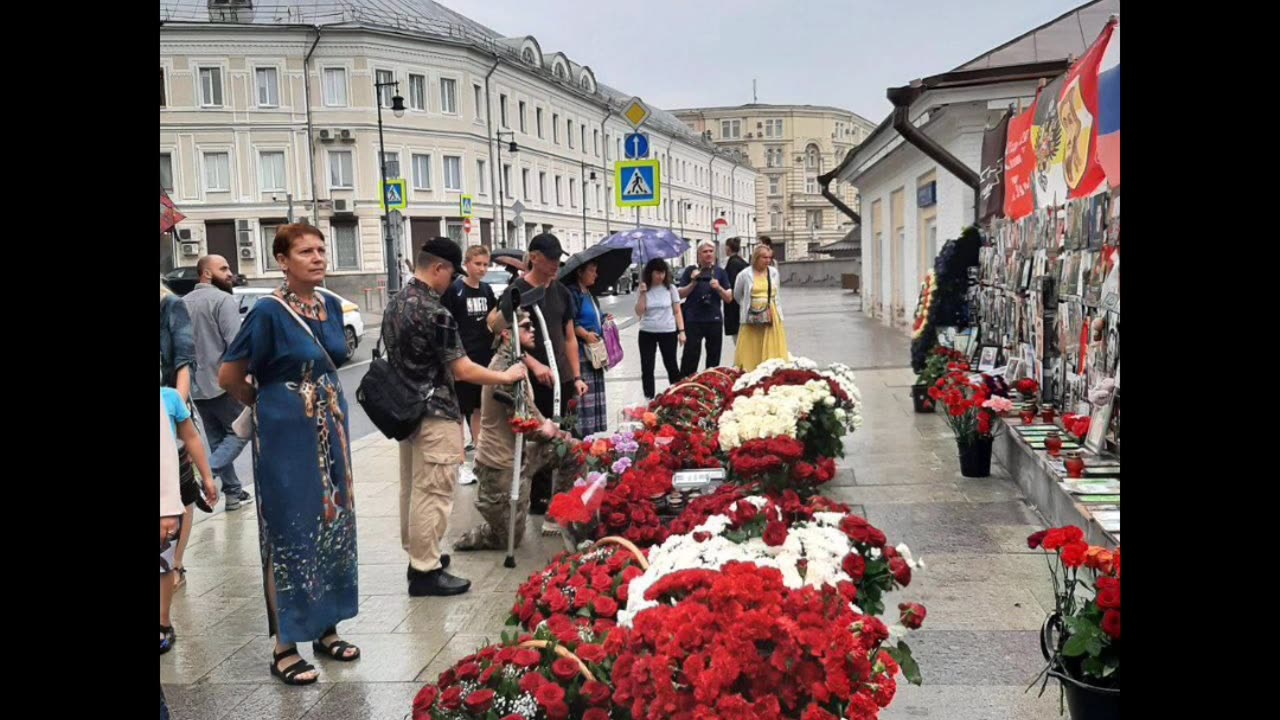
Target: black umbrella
(610,262)
(510,257)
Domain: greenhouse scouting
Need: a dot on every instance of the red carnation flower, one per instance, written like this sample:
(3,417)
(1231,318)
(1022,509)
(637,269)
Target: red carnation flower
(425,698)
(604,606)
(597,693)
(531,682)
(1035,539)
(1073,554)
(912,615)
(527,658)
(452,698)
(1108,593)
(817,712)
(1111,623)
(775,534)
(564,669)
(479,701)
(550,694)
(855,566)
(901,570)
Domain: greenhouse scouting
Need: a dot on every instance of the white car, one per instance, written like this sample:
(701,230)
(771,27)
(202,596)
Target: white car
(353,324)
(499,279)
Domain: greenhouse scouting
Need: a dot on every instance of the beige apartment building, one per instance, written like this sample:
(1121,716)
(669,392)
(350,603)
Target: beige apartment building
(269,113)
(791,145)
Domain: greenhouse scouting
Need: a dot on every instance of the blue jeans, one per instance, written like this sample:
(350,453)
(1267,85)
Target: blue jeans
(224,447)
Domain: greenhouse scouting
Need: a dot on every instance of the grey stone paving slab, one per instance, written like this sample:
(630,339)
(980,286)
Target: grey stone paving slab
(947,527)
(206,701)
(976,658)
(971,703)
(374,701)
(277,701)
(994,603)
(193,657)
(458,647)
(881,494)
(918,470)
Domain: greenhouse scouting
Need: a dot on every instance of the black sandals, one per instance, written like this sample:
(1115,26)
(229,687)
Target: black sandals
(289,676)
(336,649)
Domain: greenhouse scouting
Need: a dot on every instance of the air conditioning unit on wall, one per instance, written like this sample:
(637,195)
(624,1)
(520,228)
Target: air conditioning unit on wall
(190,249)
(243,233)
(246,253)
(341,206)
(326,136)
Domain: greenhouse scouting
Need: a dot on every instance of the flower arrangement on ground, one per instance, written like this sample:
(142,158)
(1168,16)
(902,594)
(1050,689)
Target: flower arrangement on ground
(809,546)
(793,398)
(511,680)
(738,643)
(971,412)
(779,464)
(1086,608)
(588,586)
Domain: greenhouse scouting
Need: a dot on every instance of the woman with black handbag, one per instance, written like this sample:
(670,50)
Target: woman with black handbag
(761,336)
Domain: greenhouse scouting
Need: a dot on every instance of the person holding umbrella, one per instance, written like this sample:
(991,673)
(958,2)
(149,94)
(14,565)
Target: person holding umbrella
(594,267)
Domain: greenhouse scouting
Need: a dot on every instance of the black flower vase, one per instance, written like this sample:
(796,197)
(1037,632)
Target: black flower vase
(920,399)
(975,458)
(1084,701)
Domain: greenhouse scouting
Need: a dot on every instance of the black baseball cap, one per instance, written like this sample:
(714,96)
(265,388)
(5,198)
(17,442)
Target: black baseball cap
(548,245)
(445,249)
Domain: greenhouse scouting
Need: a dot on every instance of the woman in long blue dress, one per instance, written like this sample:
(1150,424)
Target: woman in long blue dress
(291,344)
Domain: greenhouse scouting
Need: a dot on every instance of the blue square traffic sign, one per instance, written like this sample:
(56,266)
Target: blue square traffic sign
(638,183)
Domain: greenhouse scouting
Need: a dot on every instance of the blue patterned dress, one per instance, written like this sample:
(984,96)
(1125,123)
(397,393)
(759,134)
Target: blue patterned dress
(301,466)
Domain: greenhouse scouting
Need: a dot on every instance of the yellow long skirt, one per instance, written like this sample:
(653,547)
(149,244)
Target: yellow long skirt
(757,343)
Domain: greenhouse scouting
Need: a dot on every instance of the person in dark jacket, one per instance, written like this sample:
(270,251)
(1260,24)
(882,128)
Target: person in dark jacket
(732,266)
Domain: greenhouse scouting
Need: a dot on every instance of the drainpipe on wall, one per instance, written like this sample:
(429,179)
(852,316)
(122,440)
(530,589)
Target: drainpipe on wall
(311,134)
(499,200)
(824,182)
(937,153)
(604,140)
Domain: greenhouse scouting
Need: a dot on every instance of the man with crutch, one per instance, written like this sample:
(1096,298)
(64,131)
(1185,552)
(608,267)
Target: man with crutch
(504,464)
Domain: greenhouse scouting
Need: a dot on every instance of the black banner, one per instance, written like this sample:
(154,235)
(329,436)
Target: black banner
(992,176)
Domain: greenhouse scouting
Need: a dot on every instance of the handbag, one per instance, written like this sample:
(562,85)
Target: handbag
(612,343)
(598,354)
(244,423)
(395,405)
(765,316)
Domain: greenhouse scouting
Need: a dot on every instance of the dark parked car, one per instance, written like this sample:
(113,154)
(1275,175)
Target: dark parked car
(183,280)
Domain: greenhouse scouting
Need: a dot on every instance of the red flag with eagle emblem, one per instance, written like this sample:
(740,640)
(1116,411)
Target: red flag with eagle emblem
(169,215)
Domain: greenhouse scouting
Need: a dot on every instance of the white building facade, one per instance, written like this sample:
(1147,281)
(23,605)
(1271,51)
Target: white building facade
(266,119)
(909,204)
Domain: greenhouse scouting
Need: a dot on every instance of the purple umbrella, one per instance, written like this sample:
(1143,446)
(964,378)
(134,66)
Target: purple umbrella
(647,243)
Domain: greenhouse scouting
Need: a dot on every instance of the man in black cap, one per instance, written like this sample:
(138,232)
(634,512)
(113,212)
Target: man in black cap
(423,345)
(557,311)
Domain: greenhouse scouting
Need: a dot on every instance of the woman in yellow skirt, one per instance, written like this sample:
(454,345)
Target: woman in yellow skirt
(762,336)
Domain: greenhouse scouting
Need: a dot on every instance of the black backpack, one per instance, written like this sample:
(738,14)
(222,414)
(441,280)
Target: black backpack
(395,405)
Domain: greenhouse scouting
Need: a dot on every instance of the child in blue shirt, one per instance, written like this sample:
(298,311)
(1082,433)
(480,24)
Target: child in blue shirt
(184,429)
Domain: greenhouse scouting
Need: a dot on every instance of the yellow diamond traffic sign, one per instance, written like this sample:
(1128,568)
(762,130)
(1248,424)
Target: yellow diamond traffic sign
(636,112)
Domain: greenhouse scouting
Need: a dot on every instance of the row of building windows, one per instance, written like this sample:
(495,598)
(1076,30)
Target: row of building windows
(732,129)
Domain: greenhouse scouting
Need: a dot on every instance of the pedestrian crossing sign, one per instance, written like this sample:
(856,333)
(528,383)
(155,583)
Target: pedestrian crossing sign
(638,183)
(393,195)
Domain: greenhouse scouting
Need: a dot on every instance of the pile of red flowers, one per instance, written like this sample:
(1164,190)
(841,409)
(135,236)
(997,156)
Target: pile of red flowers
(508,681)
(695,402)
(1077,425)
(1088,644)
(588,586)
(793,376)
(739,644)
(963,398)
(793,507)
(778,464)
(1028,387)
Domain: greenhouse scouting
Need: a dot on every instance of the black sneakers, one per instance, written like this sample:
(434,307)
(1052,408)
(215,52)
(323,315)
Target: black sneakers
(436,583)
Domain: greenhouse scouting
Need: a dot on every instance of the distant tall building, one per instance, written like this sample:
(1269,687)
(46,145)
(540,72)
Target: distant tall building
(791,145)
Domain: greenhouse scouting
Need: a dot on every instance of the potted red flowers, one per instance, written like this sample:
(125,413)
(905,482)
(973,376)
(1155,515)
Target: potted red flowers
(1081,639)
(1027,388)
(970,411)
(934,368)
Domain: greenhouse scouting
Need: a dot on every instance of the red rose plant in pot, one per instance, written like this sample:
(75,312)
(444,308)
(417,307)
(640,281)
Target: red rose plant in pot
(1081,639)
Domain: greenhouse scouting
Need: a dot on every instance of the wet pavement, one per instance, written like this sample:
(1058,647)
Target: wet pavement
(986,593)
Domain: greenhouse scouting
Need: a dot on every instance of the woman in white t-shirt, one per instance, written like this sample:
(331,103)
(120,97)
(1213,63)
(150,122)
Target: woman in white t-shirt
(661,324)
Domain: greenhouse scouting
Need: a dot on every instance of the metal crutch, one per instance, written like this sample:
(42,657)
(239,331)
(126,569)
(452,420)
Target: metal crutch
(519,405)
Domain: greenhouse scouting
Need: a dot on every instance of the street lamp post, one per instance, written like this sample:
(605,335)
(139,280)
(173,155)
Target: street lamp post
(513,148)
(388,242)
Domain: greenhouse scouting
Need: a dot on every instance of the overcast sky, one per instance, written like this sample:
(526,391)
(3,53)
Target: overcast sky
(683,53)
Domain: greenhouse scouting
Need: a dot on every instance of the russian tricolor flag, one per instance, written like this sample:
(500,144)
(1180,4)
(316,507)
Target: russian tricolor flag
(1109,110)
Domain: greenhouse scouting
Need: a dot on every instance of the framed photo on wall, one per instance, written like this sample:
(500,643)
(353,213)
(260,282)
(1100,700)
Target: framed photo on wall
(987,360)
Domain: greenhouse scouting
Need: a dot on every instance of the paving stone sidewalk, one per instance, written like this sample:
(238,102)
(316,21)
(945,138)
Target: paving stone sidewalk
(986,593)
